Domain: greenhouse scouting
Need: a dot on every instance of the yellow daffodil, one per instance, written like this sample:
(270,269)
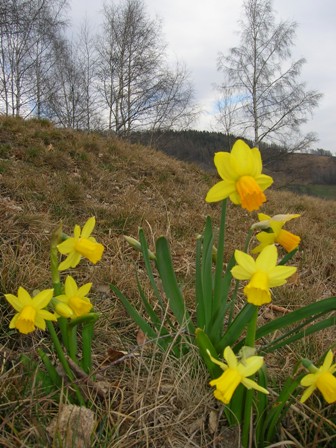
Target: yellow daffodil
(263,274)
(277,234)
(322,379)
(30,312)
(235,372)
(80,245)
(74,298)
(242,180)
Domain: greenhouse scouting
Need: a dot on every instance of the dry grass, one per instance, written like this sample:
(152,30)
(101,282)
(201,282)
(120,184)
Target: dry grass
(147,399)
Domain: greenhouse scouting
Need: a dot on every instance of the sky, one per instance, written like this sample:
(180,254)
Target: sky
(196,31)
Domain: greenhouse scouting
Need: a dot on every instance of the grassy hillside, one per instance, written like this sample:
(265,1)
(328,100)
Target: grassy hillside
(49,175)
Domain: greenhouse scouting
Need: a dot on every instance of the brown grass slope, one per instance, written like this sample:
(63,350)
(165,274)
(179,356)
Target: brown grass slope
(48,175)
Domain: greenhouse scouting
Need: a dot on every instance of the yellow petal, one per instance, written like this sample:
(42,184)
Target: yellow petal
(307,393)
(70,286)
(230,357)
(216,361)
(327,361)
(242,159)
(264,181)
(251,365)
(66,246)
(220,191)
(267,258)
(246,262)
(84,290)
(222,162)
(42,299)
(88,227)
(24,296)
(14,301)
(279,274)
(308,380)
(250,384)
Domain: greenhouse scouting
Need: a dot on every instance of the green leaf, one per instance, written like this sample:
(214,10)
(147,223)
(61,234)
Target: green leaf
(235,330)
(170,286)
(206,273)
(142,323)
(203,343)
(318,308)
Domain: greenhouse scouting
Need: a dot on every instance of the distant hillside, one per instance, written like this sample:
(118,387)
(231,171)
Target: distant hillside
(200,146)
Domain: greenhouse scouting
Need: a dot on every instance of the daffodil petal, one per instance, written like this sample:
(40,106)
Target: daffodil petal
(230,357)
(88,227)
(279,275)
(216,361)
(40,322)
(251,365)
(42,299)
(264,181)
(220,191)
(14,301)
(307,393)
(245,261)
(24,296)
(235,198)
(239,273)
(66,246)
(13,321)
(242,160)
(84,290)
(308,380)
(257,162)
(267,258)
(327,361)
(47,315)
(71,288)
(250,384)
(77,231)
(222,161)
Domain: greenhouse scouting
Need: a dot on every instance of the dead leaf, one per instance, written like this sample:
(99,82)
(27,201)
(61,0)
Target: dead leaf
(213,421)
(141,338)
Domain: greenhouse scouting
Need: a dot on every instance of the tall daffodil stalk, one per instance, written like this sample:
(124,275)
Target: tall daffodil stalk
(242,178)
(69,302)
(273,232)
(321,378)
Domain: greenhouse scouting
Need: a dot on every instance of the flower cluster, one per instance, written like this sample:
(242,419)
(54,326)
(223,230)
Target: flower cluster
(243,182)
(32,312)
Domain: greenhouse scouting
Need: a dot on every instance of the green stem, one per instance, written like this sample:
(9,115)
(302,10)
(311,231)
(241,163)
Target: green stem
(64,361)
(235,292)
(250,342)
(220,259)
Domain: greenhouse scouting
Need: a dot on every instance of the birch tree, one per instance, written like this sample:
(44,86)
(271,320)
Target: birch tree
(271,101)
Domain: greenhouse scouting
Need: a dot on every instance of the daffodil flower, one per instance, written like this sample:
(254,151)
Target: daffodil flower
(82,244)
(263,274)
(278,235)
(74,299)
(30,313)
(242,180)
(235,372)
(322,379)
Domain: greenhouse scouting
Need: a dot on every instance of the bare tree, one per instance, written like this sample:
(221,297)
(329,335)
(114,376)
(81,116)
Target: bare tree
(26,27)
(264,81)
(134,82)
